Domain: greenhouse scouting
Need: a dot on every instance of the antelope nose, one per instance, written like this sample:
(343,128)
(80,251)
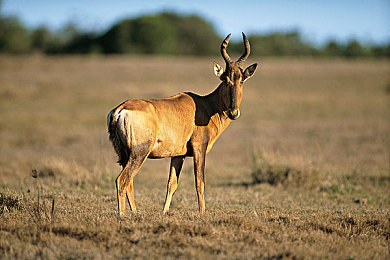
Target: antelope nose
(233,115)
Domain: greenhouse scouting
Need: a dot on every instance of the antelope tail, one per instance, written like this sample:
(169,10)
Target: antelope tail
(121,148)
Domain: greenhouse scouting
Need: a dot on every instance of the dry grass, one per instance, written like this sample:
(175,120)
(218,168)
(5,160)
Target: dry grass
(304,173)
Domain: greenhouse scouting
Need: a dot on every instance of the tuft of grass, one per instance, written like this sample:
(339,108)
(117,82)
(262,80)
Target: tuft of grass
(8,203)
(262,171)
(43,173)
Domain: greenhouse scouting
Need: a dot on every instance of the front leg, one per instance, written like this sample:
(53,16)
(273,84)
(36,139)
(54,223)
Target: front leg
(175,168)
(199,166)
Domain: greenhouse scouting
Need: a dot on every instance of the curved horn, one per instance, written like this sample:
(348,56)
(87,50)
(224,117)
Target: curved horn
(223,49)
(247,49)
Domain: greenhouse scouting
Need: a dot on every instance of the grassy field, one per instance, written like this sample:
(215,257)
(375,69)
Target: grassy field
(304,172)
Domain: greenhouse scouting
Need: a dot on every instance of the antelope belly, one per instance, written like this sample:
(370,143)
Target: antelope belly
(167,148)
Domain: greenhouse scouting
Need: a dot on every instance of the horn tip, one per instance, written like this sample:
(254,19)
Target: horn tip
(244,36)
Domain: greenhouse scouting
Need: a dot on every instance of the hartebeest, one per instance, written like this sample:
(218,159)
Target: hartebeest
(180,126)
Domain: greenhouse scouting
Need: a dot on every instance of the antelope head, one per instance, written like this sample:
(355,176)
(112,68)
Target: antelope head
(233,78)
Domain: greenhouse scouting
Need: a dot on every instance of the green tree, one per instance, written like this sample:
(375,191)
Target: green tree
(196,36)
(381,50)
(118,38)
(354,49)
(41,38)
(14,36)
(277,44)
(154,34)
(83,43)
(163,33)
(61,40)
(333,48)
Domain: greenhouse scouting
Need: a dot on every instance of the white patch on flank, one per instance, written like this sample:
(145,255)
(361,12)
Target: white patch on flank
(123,125)
(115,116)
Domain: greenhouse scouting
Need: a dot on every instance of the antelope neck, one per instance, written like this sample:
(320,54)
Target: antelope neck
(216,100)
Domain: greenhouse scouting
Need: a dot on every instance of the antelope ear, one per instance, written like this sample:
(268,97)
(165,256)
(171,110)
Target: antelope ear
(218,70)
(249,71)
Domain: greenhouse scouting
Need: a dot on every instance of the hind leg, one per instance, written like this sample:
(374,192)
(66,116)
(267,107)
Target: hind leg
(124,182)
(120,195)
(130,196)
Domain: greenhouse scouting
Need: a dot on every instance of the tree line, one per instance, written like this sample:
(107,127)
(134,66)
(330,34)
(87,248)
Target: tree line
(165,33)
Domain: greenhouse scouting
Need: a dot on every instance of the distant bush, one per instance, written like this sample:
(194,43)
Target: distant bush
(164,33)
(278,44)
(354,49)
(14,37)
(40,38)
(283,175)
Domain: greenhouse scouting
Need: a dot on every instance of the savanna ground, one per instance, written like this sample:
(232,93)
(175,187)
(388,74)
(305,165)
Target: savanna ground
(303,173)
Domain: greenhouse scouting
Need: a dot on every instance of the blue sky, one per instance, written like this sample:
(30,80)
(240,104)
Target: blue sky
(318,21)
